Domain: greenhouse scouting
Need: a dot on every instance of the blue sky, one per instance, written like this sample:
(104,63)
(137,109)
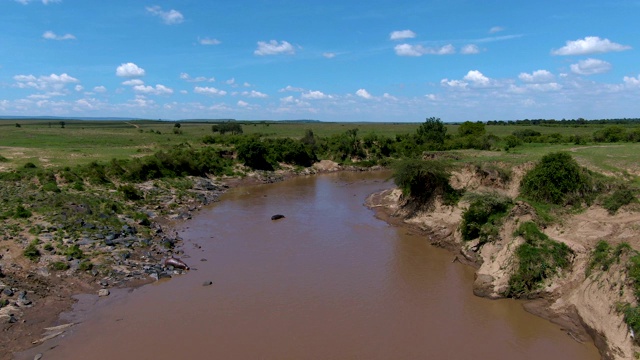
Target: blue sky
(329,60)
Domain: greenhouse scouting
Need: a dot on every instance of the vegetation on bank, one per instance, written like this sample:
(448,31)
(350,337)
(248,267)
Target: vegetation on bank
(539,258)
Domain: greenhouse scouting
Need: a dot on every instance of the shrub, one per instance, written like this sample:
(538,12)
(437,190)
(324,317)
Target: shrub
(85,265)
(130,192)
(604,255)
(539,258)
(74,252)
(559,180)
(423,180)
(31,252)
(29,165)
(483,216)
(431,133)
(254,154)
(59,266)
(618,199)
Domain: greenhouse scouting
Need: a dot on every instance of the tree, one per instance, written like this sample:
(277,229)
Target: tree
(432,133)
(177,125)
(468,128)
(62,124)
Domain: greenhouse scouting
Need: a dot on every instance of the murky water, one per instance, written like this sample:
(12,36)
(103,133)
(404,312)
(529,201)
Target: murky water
(330,281)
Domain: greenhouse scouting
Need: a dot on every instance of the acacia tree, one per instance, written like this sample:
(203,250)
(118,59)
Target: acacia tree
(431,133)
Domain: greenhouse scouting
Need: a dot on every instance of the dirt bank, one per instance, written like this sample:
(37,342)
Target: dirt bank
(584,306)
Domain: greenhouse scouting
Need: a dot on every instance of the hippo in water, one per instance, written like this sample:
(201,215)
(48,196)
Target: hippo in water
(277,216)
(176,263)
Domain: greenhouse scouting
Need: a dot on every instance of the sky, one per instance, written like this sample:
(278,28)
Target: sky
(329,60)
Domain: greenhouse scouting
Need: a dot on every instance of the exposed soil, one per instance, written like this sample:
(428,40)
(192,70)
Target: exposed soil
(584,306)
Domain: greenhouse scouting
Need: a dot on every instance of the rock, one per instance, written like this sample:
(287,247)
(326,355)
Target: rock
(22,299)
(8,292)
(12,319)
(103,292)
(37,357)
(207,283)
(483,286)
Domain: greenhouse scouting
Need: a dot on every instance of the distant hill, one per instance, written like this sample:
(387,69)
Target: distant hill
(68,118)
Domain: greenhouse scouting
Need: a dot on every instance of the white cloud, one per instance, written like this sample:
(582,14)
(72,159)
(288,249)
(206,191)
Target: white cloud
(230,81)
(79,87)
(469,49)
(329,55)
(209,91)
(170,17)
(363,94)
(419,50)
(209,41)
(631,81)
(315,95)
(187,77)
(157,90)
(589,45)
(53,81)
(389,97)
(459,84)
(538,76)
(274,48)
(242,103)
(553,86)
(130,70)
(133,82)
(432,97)
(477,78)
(254,94)
(496,29)
(590,67)
(100,89)
(50,35)
(402,34)
(291,88)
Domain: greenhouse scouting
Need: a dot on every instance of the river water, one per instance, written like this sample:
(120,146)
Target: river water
(329,281)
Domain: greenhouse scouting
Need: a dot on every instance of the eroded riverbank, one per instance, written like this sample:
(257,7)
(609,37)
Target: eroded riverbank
(327,281)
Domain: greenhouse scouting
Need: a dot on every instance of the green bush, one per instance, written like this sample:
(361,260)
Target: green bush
(618,199)
(603,256)
(254,154)
(539,258)
(423,180)
(559,180)
(483,216)
(85,265)
(59,266)
(22,213)
(31,252)
(74,251)
(130,192)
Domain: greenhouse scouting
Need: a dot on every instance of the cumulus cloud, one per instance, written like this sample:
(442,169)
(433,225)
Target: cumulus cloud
(291,88)
(129,70)
(274,48)
(631,81)
(402,34)
(187,77)
(157,90)
(419,50)
(590,67)
(50,35)
(314,95)
(363,94)
(133,82)
(242,103)
(254,94)
(209,91)
(45,82)
(589,45)
(329,55)
(496,29)
(477,78)
(79,87)
(170,17)
(100,89)
(209,41)
(538,76)
(469,49)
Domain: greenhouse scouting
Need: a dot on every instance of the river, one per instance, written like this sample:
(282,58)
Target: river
(329,281)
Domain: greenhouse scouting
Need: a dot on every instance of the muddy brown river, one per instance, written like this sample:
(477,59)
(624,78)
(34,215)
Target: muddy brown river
(329,281)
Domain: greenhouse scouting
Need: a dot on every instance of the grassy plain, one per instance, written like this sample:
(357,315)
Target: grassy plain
(47,143)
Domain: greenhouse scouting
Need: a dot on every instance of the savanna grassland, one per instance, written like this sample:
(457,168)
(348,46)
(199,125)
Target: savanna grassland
(93,201)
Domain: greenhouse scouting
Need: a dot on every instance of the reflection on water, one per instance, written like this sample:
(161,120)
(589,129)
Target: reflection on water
(329,281)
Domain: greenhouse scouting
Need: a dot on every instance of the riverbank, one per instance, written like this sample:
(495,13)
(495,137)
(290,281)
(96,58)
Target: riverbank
(581,301)
(130,257)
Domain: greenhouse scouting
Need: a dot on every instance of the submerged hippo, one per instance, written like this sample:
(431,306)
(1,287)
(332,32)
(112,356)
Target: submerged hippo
(176,263)
(277,216)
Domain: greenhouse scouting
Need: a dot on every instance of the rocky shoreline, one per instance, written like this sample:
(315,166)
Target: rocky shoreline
(34,295)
